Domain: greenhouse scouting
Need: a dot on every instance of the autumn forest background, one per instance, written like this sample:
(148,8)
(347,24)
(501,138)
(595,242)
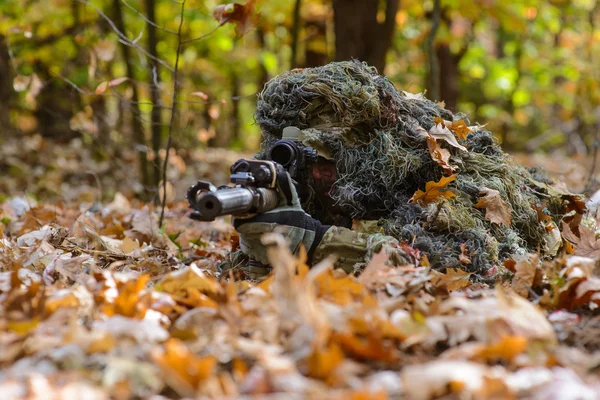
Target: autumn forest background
(97,77)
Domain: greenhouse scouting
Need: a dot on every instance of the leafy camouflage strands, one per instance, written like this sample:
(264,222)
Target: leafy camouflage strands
(375,134)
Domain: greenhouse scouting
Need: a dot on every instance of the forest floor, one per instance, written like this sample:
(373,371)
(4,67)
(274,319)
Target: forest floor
(97,301)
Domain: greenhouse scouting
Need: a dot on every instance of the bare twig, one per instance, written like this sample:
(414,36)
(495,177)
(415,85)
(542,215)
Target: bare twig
(124,39)
(173,114)
(205,35)
(147,20)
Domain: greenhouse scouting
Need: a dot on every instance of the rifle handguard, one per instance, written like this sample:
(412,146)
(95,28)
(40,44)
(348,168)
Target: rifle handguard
(210,204)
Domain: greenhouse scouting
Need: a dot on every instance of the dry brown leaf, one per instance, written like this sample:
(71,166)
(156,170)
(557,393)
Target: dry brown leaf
(434,190)
(440,155)
(496,209)
(524,275)
(441,132)
(588,245)
(453,279)
(464,257)
(587,291)
(242,15)
(178,282)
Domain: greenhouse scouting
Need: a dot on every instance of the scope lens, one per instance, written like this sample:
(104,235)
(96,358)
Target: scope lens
(283,153)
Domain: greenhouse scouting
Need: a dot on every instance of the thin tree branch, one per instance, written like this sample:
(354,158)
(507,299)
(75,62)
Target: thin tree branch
(124,39)
(205,35)
(146,19)
(173,114)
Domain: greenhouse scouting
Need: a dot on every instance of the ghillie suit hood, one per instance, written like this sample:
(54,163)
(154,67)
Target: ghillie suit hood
(377,136)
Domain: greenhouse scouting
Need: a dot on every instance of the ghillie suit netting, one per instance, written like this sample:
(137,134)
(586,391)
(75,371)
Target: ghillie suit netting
(375,135)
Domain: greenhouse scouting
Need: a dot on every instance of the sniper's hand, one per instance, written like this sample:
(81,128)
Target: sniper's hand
(288,218)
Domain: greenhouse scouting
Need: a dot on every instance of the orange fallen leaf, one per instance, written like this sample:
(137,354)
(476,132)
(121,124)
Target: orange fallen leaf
(464,256)
(185,370)
(539,209)
(506,348)
(323,362)
(496,209)
(433,190)
(371,347)
(131,301)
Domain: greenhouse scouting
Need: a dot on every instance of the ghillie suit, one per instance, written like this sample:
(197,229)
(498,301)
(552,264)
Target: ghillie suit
(378,138)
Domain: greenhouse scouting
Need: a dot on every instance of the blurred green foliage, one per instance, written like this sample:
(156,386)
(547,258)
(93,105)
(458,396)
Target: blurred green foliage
(527,68)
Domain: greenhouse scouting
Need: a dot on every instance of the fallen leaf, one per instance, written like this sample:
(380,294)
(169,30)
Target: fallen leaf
(440,155)
(323,362)
(177,282)
(588,245)
(506,348)
(464,257)
(496,209)
(441,132)
(460,129)
(184,370)
(453,279)
(525,271)
(433,190)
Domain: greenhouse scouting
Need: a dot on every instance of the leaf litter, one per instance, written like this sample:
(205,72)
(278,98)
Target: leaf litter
(99,304)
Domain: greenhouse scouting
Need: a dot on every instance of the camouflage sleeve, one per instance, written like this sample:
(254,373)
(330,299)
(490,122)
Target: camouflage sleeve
(355,249)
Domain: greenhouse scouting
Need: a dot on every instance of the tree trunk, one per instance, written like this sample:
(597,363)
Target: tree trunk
(136,124)
(6,89)
(315,51)
(359,35)
(154,81)
(449,75)
(295,33)
(235,107)
(263,75)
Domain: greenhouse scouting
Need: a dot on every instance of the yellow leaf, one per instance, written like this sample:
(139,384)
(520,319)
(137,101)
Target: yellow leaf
(496,209)
(454,279)
(433,190)
(22,327)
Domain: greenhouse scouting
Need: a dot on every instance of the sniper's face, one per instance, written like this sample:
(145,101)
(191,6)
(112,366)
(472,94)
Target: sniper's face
(324,174)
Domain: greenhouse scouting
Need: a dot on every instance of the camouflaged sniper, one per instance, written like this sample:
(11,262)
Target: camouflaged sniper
(373,132)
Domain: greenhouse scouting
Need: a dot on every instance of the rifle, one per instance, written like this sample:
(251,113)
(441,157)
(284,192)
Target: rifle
(257,182)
